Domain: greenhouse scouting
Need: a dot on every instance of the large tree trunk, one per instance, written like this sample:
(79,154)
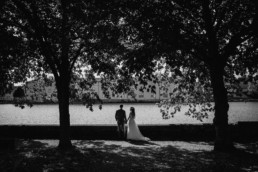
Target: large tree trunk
(222,138)
(64,116)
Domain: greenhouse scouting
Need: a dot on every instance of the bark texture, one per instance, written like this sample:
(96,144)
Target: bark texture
(222,139)
(64,116)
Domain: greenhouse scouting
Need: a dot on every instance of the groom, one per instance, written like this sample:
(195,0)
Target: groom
(121,120)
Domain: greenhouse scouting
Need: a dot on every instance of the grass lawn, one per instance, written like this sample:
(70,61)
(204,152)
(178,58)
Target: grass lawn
(102,155)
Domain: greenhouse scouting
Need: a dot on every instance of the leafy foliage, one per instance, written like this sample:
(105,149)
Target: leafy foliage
(62,37)
(124,41)
(193,38)
(185,90)
(12,65)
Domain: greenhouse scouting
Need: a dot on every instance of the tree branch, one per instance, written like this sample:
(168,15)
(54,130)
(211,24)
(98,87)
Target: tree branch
(44,38)
(236,40)
(222,15)
(208,24)
(75,57)
(22,7)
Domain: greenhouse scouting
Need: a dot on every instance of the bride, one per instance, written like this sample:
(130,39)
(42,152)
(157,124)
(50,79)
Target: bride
(133,132)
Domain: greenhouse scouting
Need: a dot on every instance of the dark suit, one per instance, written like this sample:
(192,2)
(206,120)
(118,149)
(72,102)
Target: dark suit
(121,120)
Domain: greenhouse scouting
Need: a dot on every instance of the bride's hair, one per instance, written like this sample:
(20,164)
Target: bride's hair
(132,110)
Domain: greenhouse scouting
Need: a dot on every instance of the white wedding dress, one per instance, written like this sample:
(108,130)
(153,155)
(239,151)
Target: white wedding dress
(133,132)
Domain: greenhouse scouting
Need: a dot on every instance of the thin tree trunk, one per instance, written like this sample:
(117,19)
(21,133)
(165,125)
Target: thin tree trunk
(222,138)
(64,116)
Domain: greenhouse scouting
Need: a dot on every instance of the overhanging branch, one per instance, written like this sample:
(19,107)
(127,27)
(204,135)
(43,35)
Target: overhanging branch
(38,35)
(236,40)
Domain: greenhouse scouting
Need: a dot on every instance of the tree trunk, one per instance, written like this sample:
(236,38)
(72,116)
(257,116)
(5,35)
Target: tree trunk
(222,138)
(64,116)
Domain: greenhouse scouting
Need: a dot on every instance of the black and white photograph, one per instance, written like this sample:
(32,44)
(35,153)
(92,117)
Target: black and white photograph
(129,85)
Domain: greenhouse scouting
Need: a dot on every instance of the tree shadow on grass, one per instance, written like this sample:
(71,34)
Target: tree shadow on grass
(124,156)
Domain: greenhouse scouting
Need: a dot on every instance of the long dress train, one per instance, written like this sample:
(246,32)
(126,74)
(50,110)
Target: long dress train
(133,132)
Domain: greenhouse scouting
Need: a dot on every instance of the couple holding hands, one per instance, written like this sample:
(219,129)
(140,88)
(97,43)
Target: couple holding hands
(133,132)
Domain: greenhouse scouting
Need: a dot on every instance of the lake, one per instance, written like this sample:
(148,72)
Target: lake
(146,113)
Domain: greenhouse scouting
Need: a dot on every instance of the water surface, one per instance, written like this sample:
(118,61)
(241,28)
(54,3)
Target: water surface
(145,114)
